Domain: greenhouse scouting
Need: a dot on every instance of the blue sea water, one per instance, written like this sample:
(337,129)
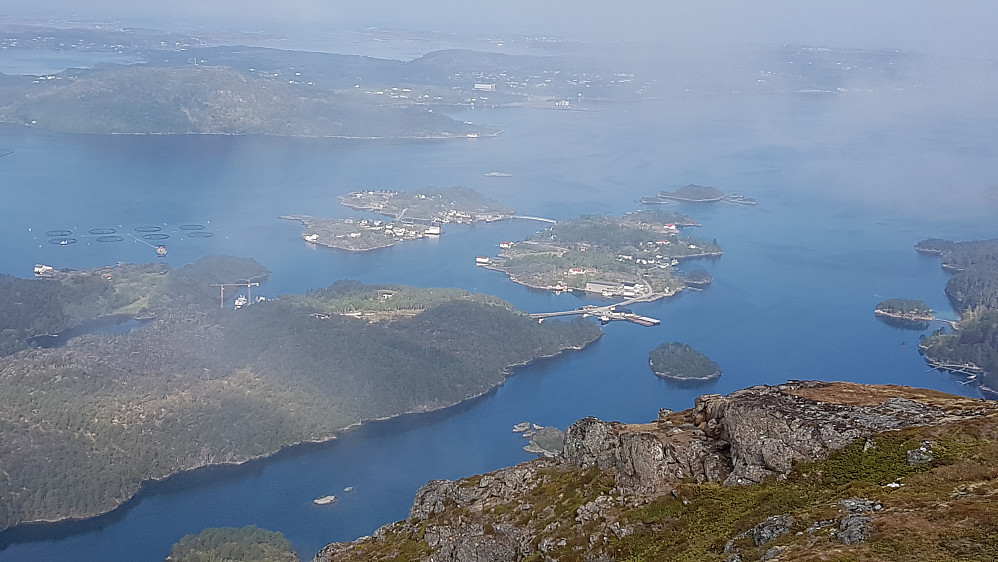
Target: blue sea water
(792,297)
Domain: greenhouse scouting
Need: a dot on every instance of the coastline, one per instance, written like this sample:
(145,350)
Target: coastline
(905,316)
(148,485)
(680,378)
(643,298)
(306,221)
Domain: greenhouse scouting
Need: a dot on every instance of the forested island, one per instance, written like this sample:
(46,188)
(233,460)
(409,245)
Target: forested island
(248,544)
(972,347)
(698,278)
(632,256)
(907,310)
(414,215)
(678,361)
(82,426)
(697,194)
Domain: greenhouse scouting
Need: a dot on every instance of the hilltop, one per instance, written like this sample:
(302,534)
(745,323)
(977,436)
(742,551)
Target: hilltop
(800,471)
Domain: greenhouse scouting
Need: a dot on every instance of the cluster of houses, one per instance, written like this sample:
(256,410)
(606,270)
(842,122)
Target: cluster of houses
(624,289)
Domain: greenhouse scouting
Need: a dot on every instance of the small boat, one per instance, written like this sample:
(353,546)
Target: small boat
(498,175)
(161,250)
(240,302)
(325,500)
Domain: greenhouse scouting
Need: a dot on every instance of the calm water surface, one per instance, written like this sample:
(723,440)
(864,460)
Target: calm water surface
(792,298)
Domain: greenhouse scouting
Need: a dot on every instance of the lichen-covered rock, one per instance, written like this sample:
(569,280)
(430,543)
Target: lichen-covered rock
(921,455)
(772,528)
(853,529)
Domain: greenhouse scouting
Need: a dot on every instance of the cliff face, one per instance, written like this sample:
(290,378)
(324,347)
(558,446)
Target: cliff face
(729,479)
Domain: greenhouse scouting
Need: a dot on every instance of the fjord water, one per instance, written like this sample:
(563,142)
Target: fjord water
(792,297)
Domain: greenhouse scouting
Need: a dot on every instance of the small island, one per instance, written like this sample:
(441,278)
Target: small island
(248,544)
(359,235)
(451,205)
(633,256)
(693,193)
(698,278)
(414,215)
(905,309)
(544,441)
(678,361)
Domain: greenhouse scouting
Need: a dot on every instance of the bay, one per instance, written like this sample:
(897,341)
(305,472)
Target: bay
(793,294)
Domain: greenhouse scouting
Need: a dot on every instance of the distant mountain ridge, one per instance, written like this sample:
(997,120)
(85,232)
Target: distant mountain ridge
(193,99)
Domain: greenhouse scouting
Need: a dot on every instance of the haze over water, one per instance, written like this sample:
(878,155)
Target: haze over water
(793,294)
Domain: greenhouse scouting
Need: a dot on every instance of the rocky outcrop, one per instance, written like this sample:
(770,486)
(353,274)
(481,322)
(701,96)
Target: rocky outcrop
(575,505)
(749,435)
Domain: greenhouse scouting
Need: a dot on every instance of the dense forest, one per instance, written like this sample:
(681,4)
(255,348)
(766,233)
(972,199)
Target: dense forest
(679,361)
(227,544)
(973,290)
(82,426)
(66,299)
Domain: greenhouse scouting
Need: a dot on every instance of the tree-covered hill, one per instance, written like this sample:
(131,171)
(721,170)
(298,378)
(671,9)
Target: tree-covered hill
(206,100)
(83,425)
(973,290)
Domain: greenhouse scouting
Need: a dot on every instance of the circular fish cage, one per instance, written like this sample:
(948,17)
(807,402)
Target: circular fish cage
(191,227)
(156,236)
(200,234)
(148,228)
(102,231)
(110,238)
(63,241)
(58,233)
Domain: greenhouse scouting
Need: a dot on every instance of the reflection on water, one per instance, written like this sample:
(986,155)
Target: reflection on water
(118,324)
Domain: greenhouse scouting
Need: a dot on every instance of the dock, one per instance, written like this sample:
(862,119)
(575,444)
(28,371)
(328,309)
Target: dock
(605,314)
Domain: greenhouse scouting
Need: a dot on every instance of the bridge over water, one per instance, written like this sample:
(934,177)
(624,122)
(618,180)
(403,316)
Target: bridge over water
(529,218)
(608,312)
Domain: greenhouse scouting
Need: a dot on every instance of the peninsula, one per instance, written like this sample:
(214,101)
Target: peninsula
(633,256)
(678,361)
(971,349)
(82,426)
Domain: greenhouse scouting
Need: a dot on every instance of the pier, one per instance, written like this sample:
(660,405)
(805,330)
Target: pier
(605,314)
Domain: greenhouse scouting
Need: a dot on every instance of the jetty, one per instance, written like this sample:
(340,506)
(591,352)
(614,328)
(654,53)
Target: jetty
(605,314)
